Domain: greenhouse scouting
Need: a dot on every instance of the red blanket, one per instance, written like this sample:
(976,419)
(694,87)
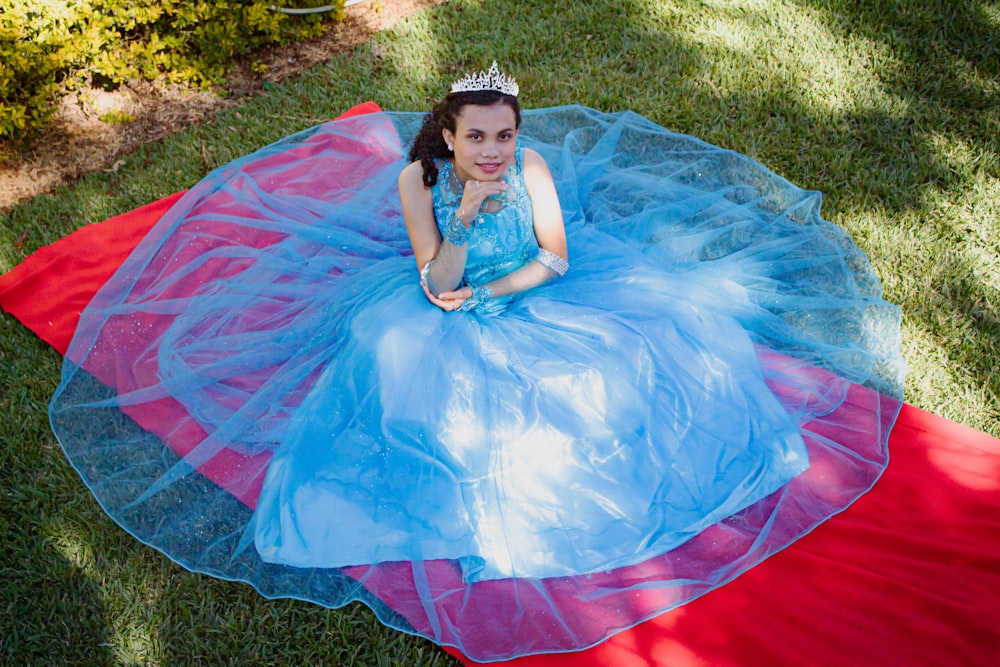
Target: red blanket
(909,575)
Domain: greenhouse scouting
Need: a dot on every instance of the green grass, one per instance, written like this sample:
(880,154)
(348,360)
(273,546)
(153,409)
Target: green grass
(891,108)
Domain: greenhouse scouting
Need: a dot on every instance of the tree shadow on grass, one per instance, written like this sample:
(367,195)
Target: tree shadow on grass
(57,615)
(52,608)
(946,67)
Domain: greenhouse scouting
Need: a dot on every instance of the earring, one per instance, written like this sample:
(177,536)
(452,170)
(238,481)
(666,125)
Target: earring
(450,147)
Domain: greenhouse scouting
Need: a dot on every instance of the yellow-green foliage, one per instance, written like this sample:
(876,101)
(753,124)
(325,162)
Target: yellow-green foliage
(47,45)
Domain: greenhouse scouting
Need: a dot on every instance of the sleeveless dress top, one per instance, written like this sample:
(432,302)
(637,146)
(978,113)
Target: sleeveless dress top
(263,392)
(503,238)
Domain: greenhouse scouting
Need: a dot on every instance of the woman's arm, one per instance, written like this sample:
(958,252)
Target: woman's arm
(446,259)
(549,229)
(549,232)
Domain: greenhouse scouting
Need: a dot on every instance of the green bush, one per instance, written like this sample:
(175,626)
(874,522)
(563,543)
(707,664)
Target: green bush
(47,46)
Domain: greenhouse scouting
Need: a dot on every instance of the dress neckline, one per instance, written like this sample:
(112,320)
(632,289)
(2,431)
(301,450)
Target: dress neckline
(452,185)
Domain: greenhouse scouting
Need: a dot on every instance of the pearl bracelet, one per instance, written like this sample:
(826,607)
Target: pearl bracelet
(552,261)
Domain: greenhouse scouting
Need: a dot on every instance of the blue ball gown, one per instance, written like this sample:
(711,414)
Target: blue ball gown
(263,393)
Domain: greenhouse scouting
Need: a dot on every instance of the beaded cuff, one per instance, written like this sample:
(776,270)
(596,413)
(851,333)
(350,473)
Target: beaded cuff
(456,233)
(480,295)
(552,261)
(426,271)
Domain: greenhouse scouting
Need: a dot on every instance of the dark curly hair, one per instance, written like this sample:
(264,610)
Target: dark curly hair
(429,143)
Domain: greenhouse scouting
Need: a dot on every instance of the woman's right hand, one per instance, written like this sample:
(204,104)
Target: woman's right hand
(473,196)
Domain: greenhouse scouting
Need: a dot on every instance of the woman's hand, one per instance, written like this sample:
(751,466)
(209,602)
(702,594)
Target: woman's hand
(447,301)
(473,196)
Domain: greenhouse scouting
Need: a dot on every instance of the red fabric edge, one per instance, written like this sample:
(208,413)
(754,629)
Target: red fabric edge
(76,266)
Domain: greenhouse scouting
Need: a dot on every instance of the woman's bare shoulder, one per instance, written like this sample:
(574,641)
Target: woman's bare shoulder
(531,156)
(535,167)
(412,175)
(533,161)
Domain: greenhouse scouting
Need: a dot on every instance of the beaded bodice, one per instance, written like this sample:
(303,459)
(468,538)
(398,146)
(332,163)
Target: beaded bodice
(502,235)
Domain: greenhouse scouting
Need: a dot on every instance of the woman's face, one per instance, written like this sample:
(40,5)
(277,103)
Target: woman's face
(483,142)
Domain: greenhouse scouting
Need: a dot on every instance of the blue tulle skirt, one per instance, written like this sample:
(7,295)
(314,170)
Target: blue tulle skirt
(263,393)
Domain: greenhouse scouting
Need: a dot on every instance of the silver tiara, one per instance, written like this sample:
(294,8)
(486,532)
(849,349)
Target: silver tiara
(490,80)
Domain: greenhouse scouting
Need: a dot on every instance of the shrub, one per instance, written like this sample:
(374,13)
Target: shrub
(47,46)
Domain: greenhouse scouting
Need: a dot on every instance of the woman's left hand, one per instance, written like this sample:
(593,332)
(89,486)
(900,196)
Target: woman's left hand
(448,301)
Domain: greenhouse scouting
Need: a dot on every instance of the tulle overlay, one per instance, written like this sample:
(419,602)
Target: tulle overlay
(263,393)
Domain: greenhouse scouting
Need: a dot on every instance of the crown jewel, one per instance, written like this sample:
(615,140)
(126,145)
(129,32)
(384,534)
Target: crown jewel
(489,80)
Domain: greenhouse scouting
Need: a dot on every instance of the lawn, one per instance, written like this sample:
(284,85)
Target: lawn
(891,108)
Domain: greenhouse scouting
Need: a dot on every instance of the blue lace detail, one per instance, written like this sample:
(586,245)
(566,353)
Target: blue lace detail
(502,237)
(481,296)
(456,233)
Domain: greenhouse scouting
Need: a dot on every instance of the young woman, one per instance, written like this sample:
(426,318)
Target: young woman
(472,136)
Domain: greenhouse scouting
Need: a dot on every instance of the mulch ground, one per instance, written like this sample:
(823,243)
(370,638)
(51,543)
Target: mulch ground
(78,141)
